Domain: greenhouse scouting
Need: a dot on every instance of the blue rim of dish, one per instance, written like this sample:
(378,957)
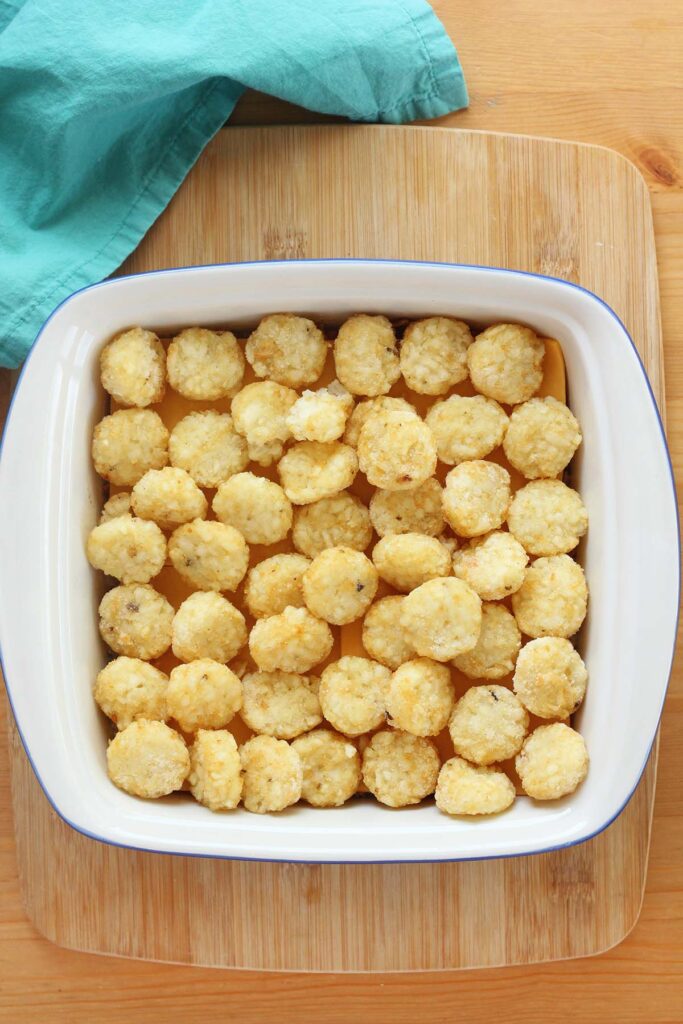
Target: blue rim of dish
(424,263)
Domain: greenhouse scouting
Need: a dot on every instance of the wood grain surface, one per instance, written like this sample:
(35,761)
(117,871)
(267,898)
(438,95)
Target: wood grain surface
(594,75)
(260,193)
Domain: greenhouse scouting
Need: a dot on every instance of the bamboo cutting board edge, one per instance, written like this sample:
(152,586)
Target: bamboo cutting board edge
(276,197)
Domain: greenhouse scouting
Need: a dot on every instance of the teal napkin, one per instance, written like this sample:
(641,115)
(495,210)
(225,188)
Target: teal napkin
(106,104)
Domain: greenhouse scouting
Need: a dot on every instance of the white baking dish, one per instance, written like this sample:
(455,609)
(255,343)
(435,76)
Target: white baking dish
(50,497)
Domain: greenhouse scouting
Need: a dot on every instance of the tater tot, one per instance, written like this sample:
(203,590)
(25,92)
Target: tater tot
(331,768)
(136,620)
(434,354)
(131,550)
(506,363)
(207,446)
(257,507)
(550,677)
(127,689)
(259,412)
(215,770)
(280,704)
(417,511)
(442,618)
(272,774)
(207,626)
(169,497)
(128,443)
(133,368)
(203,695)
(383,636)
(383,403)
(476,497)
(472,789)
(396,450)
(288,349)
(293,641)
(205,365)
(493,565)
(148,759)
(466,428)
(117,505)
(488,724)
(553,598)
(365,355)
(496,650)
(274,584)
(339,521)
(553,762)
(320,415)
(547,517)
(340,585)
(353,694)
(541,438)
(420,697)
(209,555)
(405,560)
(400,769)
(311,470)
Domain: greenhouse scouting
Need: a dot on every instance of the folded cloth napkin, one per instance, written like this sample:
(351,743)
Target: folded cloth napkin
(106,104)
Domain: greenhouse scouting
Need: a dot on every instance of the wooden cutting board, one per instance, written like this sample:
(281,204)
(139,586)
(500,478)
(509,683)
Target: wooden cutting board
(575,211)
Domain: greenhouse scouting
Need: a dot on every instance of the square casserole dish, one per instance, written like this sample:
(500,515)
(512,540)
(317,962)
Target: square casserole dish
(50,499)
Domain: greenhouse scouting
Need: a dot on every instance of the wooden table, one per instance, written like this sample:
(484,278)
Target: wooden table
(589,71)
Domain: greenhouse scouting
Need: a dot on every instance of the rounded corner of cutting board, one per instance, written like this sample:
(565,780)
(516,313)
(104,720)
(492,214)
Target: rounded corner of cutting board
(316,199)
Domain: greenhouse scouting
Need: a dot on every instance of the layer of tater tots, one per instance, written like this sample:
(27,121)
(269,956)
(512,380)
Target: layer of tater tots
(175,407)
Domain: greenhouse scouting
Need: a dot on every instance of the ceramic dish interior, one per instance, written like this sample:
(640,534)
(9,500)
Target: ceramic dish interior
(50,499)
